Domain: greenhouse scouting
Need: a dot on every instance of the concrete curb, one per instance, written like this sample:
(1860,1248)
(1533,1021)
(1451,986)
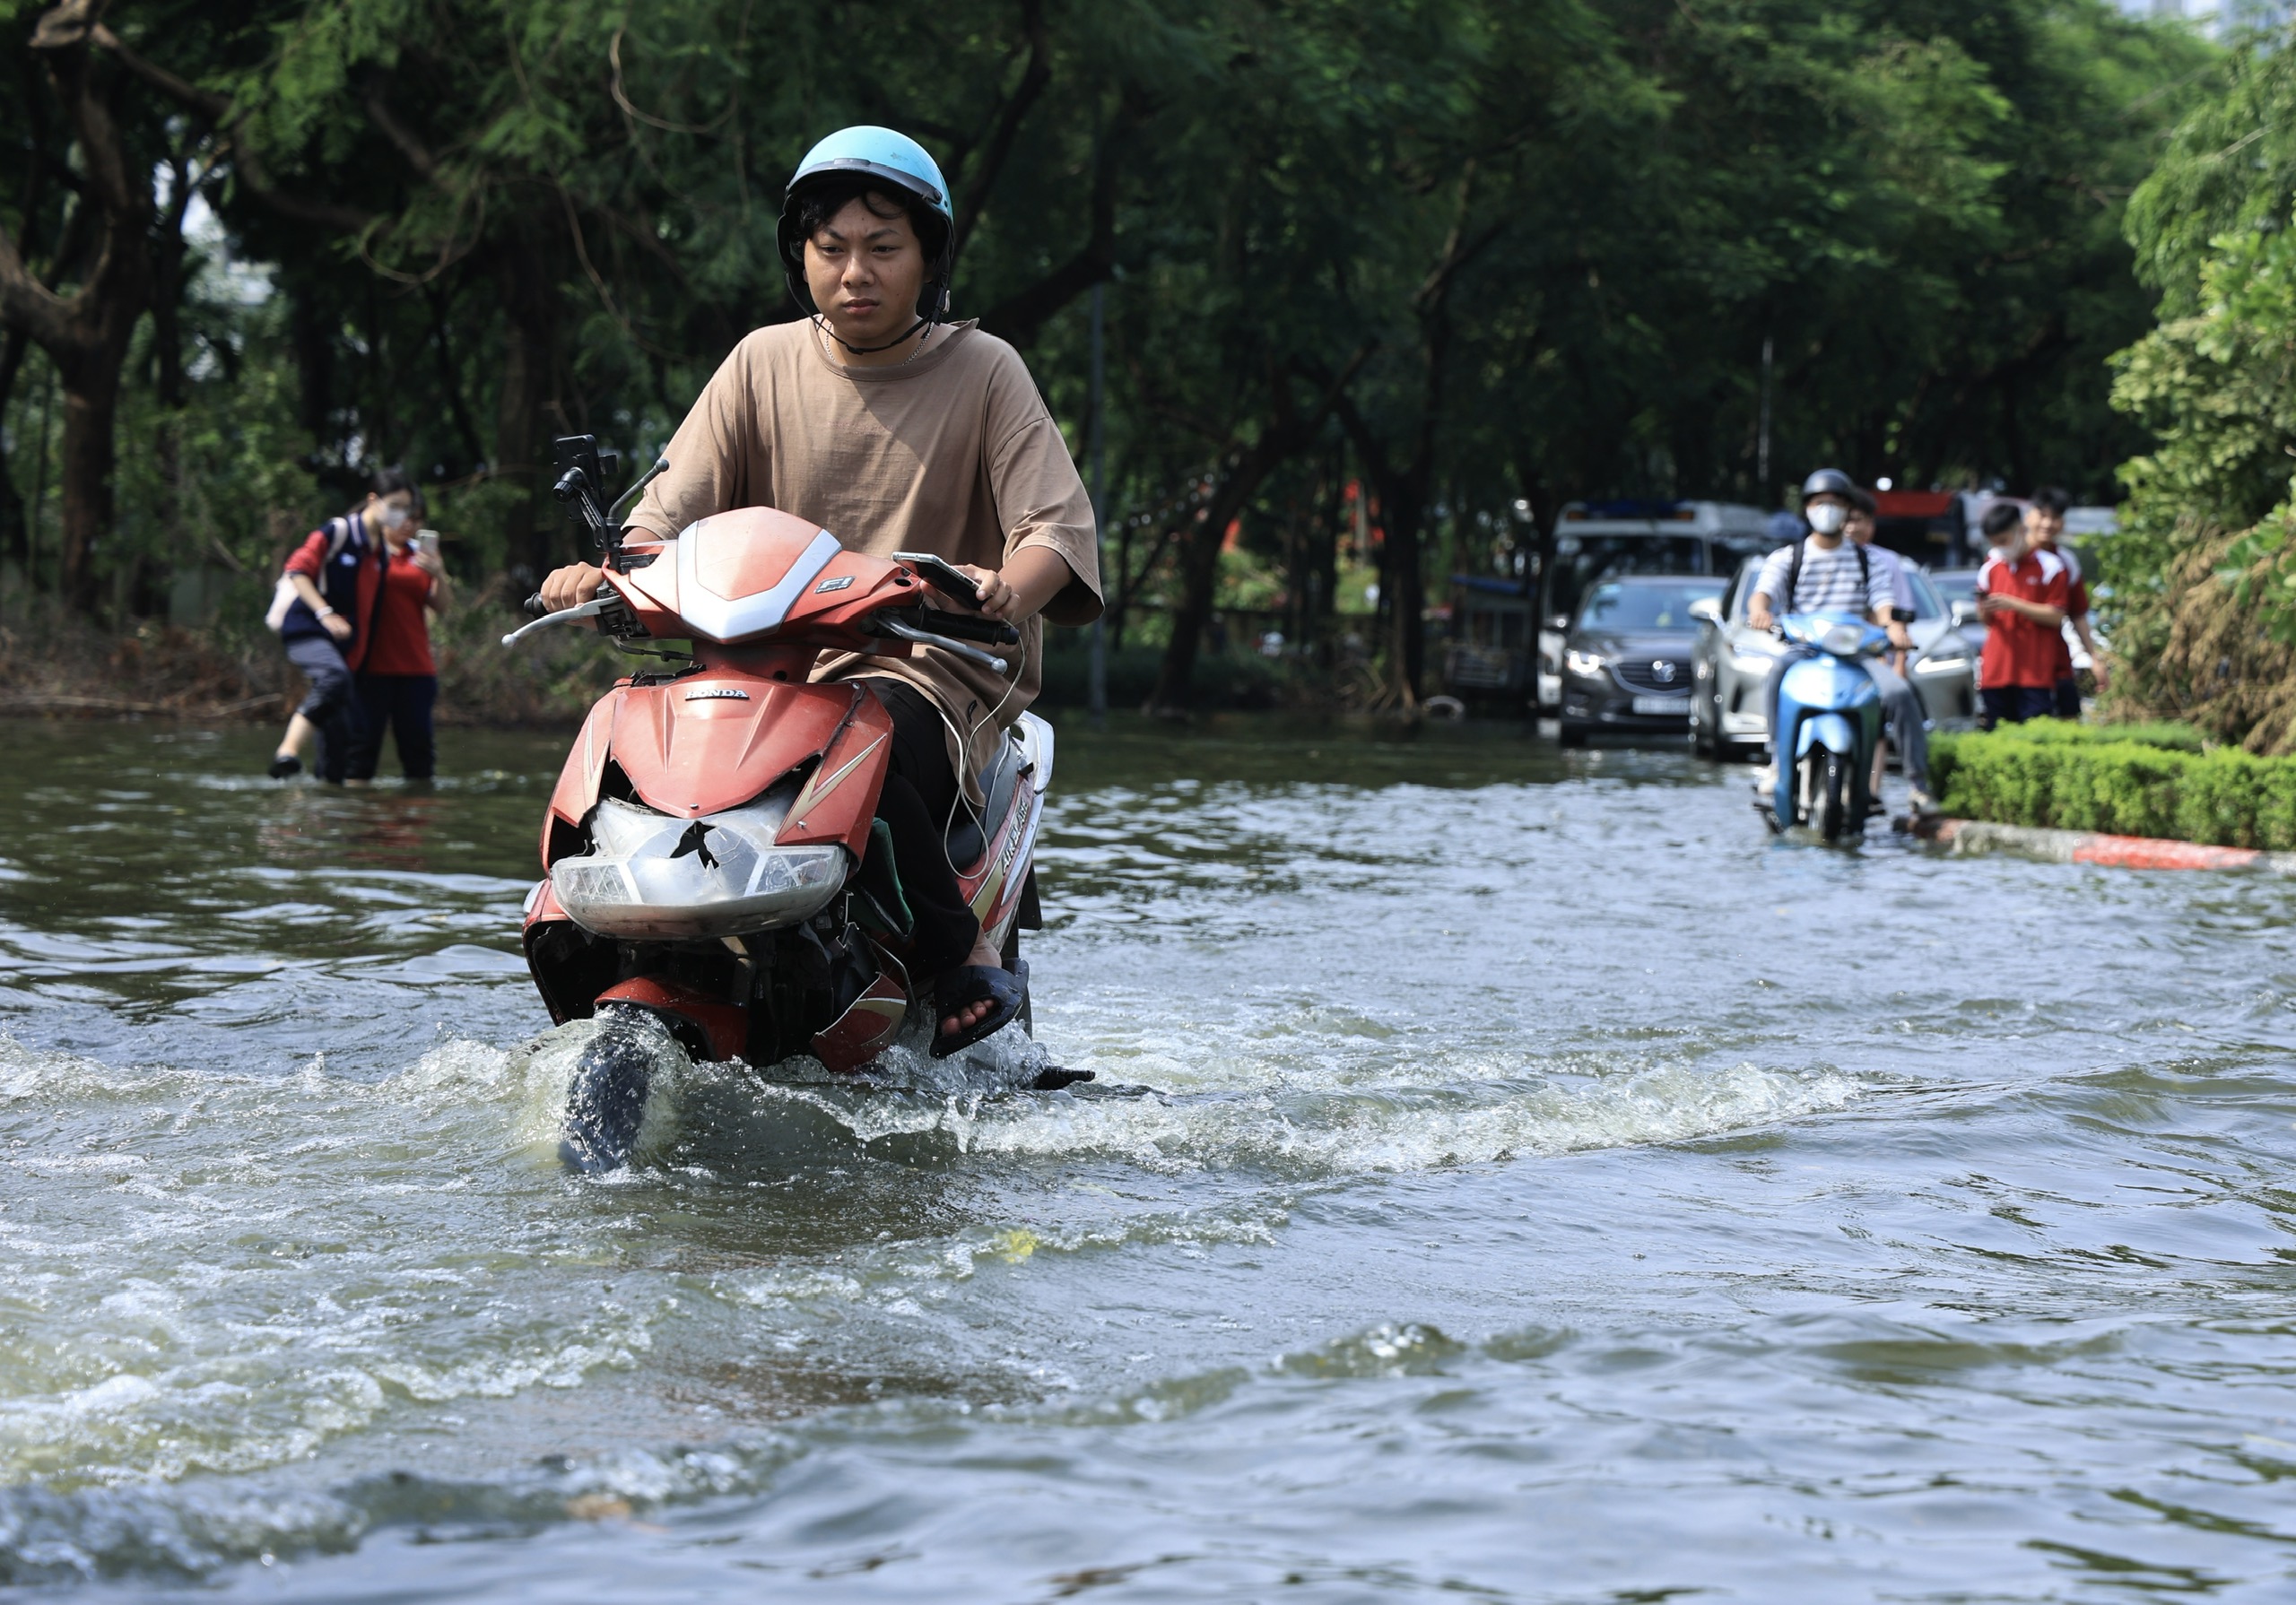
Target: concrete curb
(2084,846)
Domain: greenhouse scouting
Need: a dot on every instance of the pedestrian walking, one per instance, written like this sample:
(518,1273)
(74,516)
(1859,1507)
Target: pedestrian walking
(397,681)
(324,601)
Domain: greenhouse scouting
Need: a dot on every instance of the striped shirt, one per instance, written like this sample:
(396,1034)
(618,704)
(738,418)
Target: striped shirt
(1828,582)
(1889,562)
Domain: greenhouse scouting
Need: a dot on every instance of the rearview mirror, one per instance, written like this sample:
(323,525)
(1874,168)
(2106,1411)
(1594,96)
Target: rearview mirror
(1558,621)
(1708,609)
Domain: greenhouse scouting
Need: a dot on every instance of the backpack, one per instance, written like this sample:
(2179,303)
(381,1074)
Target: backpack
(283,595)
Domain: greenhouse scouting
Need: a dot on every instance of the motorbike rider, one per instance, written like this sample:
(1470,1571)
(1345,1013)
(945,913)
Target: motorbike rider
(1827,573)
(897,430)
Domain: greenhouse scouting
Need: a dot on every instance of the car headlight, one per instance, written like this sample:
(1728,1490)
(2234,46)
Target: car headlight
(1583,663)
(1957,663)
(1751,663)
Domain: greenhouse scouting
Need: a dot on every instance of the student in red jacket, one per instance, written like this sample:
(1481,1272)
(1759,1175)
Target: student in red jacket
(2021,594)
(397,683)
(335,576)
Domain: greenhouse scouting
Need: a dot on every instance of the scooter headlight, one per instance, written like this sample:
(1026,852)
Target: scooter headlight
(654,878)
(1843,640)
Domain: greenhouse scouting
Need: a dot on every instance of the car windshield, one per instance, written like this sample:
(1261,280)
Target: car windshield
(1582,561)
(1926,603)
(1646,606)
(1955,584)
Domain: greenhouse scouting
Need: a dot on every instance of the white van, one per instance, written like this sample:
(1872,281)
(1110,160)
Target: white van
(1597,539)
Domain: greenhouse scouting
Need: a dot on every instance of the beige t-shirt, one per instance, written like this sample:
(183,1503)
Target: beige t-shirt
(952,452)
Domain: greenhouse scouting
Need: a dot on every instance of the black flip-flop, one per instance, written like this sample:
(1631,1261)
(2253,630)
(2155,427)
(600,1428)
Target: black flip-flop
(285,764)
(975,984)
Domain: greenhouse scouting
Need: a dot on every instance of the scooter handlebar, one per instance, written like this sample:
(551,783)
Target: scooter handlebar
(969,626)
(534,607)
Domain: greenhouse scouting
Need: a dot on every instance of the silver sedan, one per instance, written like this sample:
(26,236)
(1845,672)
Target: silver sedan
(1731,663)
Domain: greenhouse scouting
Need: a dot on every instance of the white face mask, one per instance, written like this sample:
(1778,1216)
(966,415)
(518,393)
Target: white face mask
(1828,518)
(391,518)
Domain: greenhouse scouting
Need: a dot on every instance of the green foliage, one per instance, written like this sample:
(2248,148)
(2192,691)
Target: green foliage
(2202,585)
(2126,780)
(1557,234)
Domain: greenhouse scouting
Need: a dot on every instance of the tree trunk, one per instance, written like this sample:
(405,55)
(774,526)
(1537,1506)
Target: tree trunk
(1200,574)
(86,335)
(1287,433)
(15,525)
(91,408)
(526,405)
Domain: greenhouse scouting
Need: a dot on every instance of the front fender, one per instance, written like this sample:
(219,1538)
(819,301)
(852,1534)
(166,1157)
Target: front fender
(1830,730)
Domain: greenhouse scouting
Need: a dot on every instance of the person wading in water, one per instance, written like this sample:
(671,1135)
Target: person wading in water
(897,431)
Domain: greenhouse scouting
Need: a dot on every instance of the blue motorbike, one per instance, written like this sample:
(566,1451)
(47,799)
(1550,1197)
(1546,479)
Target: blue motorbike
(1829,728)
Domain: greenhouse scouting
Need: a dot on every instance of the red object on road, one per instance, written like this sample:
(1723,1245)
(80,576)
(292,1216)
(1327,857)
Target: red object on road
(2147,852)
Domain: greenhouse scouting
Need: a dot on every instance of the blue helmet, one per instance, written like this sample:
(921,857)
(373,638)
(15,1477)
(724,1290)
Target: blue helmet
(883,158)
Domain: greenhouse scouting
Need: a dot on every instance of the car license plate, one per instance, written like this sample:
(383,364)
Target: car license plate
(1663,705)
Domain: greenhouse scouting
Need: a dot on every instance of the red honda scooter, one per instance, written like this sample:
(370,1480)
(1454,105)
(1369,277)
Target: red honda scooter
(713,871)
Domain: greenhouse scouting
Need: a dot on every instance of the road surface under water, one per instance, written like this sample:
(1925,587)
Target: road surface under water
(1558,1190)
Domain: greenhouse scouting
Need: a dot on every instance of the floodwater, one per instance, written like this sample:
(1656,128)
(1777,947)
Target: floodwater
(1555,1191)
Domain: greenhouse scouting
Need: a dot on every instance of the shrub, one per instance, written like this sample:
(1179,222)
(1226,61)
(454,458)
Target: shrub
(2130,780)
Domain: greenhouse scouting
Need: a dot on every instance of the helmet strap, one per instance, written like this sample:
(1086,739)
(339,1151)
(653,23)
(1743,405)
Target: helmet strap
(870,351)
(928,321)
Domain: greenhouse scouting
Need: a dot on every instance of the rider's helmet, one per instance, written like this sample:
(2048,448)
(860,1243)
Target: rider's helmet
(1830,481)
(891,162)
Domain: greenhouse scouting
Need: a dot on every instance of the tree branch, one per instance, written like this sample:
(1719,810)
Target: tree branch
(246,163)
(64,30)
(378,111)
(1007,124)
(1020,315)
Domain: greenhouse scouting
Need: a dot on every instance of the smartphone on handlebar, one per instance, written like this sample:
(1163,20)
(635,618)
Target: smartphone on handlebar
(943,575)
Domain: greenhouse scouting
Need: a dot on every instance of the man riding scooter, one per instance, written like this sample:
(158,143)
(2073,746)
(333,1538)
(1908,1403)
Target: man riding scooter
(1827,573)
(896,432)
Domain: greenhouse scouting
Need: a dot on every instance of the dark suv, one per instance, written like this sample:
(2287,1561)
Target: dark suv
(1626,661)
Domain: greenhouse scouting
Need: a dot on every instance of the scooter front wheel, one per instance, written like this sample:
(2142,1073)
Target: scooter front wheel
(1830,795)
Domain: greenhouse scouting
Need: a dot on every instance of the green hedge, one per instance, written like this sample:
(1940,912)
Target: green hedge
(2127,780)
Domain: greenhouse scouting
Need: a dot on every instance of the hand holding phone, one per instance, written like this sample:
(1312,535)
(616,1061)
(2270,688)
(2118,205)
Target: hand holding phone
(941,574)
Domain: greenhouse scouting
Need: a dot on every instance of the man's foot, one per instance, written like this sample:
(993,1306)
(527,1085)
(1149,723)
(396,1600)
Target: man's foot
(283,763)
(958,1021)
(1920,801)
(988,994)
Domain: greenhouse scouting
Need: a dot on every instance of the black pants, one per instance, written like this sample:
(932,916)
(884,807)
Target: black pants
(403,704)
(2015,704)
(330,703)
(2068,699)
(920,792)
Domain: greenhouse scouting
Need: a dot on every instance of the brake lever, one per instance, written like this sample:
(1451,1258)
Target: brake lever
(588,609)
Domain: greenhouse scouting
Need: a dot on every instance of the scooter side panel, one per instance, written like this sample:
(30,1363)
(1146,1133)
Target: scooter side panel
(839,800)
(994,889)
(576,792)
(710,743)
